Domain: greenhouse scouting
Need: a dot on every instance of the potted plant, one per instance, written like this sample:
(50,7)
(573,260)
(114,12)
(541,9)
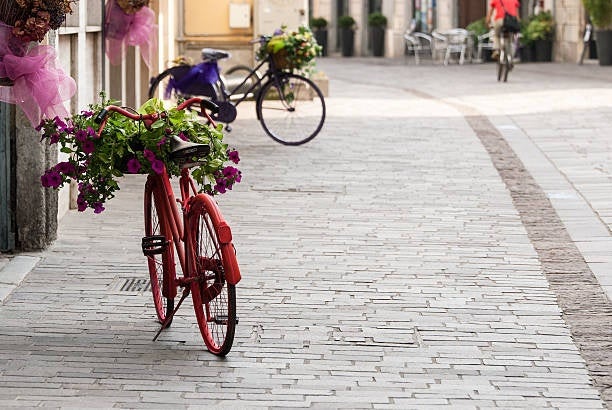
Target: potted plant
(600,12)
(347,34)
(377,22)
(526,47)
(95,162)
(319,26)
(539,31)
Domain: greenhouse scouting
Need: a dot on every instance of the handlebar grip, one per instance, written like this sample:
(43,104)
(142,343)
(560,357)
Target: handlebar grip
(210,106)
(100,117)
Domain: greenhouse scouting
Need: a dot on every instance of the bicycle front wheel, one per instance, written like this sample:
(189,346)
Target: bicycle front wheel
(291,109)
(214,299)
(155,225)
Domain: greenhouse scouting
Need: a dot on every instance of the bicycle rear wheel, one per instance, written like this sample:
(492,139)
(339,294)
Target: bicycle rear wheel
(214,299)
(158,263)
(291,109)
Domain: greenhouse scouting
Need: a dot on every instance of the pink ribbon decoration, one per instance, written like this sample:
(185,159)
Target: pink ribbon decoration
(39,87)
(138,29)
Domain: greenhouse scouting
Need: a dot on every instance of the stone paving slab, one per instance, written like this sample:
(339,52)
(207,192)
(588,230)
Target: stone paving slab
(384,266)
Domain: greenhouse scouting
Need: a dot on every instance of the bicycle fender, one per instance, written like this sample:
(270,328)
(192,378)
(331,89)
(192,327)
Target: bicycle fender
(232,272)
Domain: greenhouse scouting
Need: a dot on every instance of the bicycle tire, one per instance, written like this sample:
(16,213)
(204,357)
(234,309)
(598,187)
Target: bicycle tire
(291,109)
(234,77)
(157,264)
(214,298)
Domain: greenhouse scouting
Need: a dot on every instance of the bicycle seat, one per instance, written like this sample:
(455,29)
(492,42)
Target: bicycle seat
(213,54)
(186,153)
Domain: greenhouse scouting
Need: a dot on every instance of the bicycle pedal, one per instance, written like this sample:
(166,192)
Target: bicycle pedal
(154,245)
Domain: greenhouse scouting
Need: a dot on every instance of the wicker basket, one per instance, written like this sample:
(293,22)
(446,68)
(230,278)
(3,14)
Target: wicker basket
(281,60)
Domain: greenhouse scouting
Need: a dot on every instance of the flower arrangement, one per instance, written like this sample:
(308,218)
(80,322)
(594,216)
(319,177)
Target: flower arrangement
(32,19)
(29,75)
(293,50)
(96,162)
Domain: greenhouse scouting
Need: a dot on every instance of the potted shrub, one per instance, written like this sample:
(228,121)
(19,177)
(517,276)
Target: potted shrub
(540,30)
(319,27)
(600,12)
(347,34)
(526,47)
(377,22)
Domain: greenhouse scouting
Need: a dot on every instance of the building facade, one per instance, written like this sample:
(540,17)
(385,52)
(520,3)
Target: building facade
(427,15)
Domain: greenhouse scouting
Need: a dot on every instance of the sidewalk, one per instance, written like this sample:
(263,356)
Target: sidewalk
(402,259)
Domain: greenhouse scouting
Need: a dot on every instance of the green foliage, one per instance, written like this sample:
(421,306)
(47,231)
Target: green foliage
(298,48)
(538,27)
(600,12)
(346,22)
(127,146)
(478,27)
(377,19)
(318,23)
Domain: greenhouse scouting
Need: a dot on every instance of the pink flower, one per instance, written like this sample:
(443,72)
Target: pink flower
(65,168)
(133,166)
(183,136)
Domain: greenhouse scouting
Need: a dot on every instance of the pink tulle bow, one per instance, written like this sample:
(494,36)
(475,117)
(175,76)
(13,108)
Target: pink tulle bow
(39,87)
(138,29)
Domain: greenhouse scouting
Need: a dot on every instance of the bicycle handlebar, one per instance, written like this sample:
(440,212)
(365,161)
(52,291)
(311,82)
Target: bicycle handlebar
(149,119)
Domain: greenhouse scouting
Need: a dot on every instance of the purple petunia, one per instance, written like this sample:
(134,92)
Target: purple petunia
(220,187)
(98,208)
(183,136)
(81,135)
(54,138)
(148,154)
(51,179)
(65,167)
(88,146)
(233,156)
(133,166)
(81,203)
(157,166)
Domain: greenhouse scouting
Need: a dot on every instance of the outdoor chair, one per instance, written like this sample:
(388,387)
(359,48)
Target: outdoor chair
(485,42)
(418,44)
(439,45)
(459,42)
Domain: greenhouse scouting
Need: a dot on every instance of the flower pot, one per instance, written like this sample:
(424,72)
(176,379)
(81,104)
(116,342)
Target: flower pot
(321,37)
(347,38)
(543,50)
(527,53)
(604,46)
(378,41)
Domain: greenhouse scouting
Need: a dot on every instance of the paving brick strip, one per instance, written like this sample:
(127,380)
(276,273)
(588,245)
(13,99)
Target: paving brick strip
(586,308)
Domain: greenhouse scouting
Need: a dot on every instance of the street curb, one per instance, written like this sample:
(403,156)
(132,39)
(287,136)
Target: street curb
(13,272)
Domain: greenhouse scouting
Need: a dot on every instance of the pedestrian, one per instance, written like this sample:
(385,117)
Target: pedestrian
(498,9)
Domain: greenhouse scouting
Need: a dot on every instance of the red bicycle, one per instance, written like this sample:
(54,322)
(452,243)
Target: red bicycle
(198,236)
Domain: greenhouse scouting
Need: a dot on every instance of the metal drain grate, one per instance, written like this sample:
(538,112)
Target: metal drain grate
(127,284)
(135,285)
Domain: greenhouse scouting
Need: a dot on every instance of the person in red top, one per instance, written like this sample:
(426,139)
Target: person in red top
(498,9)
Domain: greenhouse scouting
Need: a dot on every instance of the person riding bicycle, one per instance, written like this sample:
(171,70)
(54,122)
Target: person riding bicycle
(500,8)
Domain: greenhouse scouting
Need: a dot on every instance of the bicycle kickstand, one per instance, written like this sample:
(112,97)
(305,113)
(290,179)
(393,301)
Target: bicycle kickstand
(171,315)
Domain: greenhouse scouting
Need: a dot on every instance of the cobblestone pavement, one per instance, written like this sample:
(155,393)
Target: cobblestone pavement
(414,255)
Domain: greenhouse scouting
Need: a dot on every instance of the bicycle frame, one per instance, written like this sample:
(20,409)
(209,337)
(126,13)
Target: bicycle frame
(270,73)
(176,224)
